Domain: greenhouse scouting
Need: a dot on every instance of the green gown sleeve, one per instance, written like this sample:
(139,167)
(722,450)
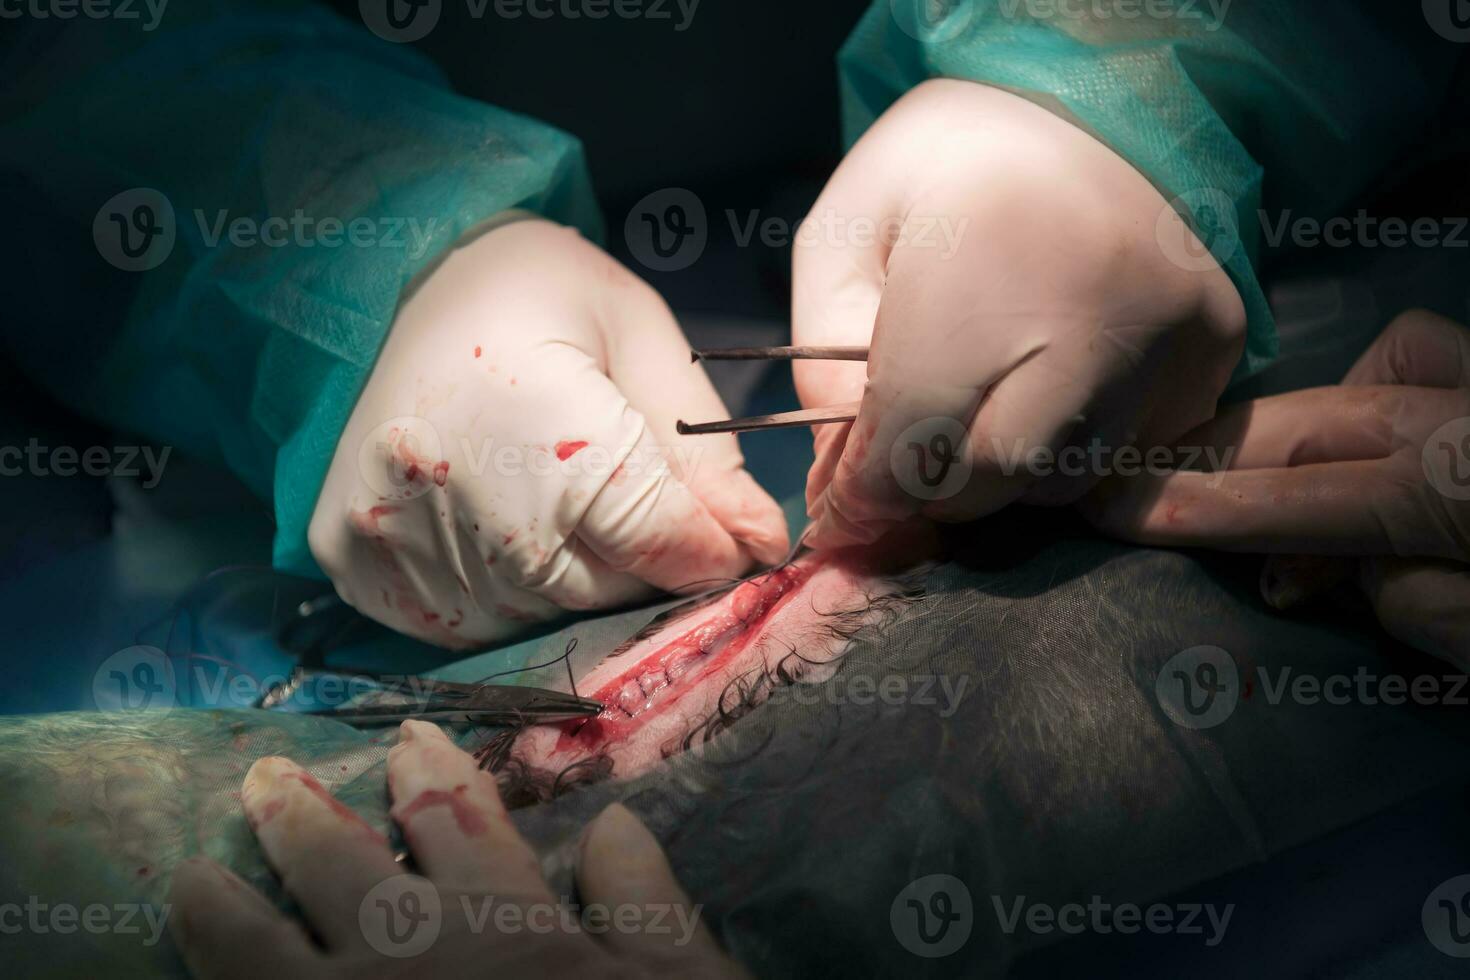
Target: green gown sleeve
(214,219)
(1281,105)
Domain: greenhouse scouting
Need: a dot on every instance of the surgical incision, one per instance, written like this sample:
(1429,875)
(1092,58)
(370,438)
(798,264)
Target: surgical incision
(695,674)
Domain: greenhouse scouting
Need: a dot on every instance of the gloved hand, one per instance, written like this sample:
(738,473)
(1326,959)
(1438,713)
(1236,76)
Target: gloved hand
(1379,467)
(514,451)
(482,908)
(1021,300)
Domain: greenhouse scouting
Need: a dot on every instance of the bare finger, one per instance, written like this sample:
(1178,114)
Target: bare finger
(327,857)
(1314,425)
(226,930)
(622,865)
(1417,348)
(1353,508)
(1426,604)
(454,821)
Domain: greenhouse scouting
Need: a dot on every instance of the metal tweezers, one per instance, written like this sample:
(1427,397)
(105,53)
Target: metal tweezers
(844,412)
(445,702)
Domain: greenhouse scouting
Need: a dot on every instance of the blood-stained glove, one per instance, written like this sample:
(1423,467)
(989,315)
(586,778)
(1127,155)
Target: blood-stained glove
(514,451)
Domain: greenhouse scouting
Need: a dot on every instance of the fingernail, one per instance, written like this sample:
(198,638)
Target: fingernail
(626,849)
(413,728)
(615,824)
(266,771)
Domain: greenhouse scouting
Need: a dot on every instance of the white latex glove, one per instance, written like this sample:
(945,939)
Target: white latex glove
(479,908)
(477,486)
(1026,299)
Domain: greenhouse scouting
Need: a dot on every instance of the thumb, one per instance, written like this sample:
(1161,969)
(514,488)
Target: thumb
(648,360)
(828,442)
(622,864)
(837,287)
(1425,604)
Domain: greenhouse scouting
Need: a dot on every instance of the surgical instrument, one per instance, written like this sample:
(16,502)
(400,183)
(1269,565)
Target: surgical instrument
(446,702)
(844,412)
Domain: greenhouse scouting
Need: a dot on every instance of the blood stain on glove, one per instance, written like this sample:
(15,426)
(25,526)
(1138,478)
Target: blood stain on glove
(513,614)
(417,466)
(566,449)
(366,521)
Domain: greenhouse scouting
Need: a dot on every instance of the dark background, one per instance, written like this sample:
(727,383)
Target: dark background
(741,108)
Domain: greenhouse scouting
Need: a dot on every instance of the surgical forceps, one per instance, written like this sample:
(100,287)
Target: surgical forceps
(427,699)
(447,703)
(845,412)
